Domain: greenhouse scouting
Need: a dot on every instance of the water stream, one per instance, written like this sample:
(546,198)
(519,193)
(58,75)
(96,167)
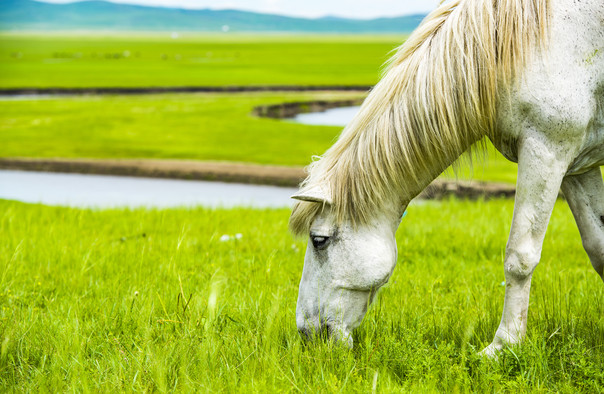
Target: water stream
(331,117)
(105,191)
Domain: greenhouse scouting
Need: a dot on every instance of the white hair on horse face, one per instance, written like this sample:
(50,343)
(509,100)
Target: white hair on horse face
(436,99)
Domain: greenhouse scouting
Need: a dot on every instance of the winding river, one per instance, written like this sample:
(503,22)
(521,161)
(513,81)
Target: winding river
(104,191)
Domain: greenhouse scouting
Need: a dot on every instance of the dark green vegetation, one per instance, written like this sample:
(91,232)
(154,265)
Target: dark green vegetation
(191,60)
(185,126)
(91,15)
(124,300)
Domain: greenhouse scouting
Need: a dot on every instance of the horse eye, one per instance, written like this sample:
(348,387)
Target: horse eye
(319,241)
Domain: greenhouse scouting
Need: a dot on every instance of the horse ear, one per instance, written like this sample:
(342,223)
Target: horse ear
(313,194)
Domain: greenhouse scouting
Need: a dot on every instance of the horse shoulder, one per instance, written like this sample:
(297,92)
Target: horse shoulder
(561,92)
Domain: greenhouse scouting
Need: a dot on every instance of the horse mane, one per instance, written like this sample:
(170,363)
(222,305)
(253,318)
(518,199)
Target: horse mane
(437,97)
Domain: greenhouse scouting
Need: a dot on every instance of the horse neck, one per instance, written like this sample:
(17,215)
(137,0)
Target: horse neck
(415,186)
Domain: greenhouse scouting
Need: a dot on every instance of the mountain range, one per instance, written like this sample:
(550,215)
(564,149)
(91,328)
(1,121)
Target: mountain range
(103,15)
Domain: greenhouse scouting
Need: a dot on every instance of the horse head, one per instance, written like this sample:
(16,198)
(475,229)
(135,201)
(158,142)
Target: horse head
(344,267)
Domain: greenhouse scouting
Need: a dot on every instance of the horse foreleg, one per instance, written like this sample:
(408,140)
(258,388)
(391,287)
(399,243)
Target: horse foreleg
(540,173)
(585,196)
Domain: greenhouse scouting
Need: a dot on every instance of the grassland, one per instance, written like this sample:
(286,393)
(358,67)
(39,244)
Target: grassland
(83,60)
(187,126)
(147,300)
(151,300)
(199,127)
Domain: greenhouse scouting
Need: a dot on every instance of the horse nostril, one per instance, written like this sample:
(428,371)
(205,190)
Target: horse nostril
(327,330)
(304,332)
(304,329)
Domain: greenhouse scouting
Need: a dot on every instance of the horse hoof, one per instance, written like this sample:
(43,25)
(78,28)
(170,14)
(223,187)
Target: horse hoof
(491,351)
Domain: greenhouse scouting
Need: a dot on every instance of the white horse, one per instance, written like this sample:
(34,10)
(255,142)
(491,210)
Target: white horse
(527,74)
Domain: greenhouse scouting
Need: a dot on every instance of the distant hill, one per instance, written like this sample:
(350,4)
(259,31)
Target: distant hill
(102,15)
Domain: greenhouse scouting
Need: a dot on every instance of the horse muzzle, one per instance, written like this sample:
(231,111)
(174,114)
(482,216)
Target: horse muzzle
(311,330)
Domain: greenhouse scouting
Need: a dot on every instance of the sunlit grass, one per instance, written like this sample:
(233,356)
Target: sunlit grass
(153,300)
(108,59)
(184,126)
(198,127)
(216,127)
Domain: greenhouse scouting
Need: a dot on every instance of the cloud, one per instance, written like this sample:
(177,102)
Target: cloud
(272,6)
(363,9)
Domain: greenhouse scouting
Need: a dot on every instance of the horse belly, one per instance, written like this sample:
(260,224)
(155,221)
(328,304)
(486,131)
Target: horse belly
(591,153)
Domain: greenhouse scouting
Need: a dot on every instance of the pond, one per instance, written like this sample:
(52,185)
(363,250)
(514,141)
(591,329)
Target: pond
(105,191)
(331,117)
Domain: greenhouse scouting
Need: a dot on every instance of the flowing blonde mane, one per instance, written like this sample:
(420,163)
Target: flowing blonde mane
(437,98)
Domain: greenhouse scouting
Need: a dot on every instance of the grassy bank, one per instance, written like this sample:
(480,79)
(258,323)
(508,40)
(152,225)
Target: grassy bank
(187,126)
(178,126)
(153,300)
(55,60)
(215,127)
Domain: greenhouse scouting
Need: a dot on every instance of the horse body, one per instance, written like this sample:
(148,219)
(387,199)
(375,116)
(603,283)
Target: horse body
(561,91)
(531,78)
(552,125)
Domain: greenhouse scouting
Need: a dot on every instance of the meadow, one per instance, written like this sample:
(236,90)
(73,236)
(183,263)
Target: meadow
(146,300)
(153,300)
(82,60)
(181,126)
(216,127)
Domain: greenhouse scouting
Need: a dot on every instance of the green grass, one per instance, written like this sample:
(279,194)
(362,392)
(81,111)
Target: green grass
(55,60)
(215,127)
(186,126)
(95,301)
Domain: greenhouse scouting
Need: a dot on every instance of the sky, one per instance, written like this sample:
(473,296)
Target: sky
(360,9)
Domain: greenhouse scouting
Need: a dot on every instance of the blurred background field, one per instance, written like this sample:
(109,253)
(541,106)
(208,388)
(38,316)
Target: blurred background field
(200,126)
(191,59)
(215,127)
